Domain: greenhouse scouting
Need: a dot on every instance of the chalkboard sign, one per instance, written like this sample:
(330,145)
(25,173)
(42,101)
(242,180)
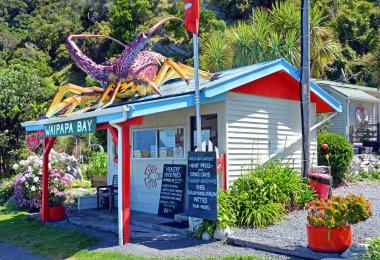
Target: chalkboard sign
(173,181)
(202,185)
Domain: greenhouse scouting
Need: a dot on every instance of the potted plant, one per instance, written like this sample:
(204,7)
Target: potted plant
(329,221)
(58,183)
(97,169)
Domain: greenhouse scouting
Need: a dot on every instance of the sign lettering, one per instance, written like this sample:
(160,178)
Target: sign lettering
(173,181)
(77,127)
(202,185)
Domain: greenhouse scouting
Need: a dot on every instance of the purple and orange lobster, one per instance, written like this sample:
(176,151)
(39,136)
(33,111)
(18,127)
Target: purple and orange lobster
(133,73)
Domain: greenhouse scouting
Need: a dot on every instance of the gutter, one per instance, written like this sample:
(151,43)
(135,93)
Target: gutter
(115,123)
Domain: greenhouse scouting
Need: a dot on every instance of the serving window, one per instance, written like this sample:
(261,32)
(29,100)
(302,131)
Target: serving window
(158,143)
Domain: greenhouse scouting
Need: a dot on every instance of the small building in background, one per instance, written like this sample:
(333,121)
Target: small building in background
(359,120)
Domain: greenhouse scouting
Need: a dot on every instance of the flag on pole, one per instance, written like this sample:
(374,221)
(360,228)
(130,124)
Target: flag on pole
(192,15)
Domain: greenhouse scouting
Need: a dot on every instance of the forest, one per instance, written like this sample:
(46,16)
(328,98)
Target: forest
(345,38)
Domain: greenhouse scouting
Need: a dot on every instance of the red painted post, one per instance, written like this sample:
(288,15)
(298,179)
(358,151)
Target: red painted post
(48,144)
(126,183)
(126,170)
(224,158)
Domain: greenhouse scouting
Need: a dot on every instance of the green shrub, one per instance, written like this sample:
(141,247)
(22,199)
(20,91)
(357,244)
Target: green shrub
(338,154)
(373,249)
(97,165)
(7,190)
(262,197)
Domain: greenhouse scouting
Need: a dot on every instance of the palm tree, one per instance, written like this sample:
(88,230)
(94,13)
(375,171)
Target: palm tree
(323,45)
(216,53)
(241,40)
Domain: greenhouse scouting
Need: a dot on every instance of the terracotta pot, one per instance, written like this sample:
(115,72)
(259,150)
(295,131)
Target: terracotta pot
(54,213)
(318,238)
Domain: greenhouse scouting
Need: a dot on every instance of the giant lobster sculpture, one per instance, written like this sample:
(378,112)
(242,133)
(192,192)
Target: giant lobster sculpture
(133,72)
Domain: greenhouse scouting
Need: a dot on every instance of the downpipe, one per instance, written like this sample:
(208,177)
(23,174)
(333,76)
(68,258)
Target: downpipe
(115,123)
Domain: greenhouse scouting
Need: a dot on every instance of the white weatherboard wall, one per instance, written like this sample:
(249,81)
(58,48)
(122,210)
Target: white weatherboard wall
(257,126)
(339,122)
(146,197)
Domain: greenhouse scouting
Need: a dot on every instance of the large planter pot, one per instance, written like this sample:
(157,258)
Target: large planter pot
(318,238)
(55,213)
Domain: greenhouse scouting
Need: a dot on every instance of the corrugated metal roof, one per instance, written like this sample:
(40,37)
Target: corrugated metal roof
(324,82)
(356,94)
(178,87)
(177,94)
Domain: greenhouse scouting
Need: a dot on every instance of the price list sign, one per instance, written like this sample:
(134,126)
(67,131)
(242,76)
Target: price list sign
(202,185)
(173,181)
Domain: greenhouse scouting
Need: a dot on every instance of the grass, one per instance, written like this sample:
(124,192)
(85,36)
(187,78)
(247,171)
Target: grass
(100,255)
(20,229)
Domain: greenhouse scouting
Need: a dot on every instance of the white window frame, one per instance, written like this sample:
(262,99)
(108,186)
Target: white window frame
(157,143)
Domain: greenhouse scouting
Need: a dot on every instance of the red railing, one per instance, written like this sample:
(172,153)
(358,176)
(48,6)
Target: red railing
(222,170)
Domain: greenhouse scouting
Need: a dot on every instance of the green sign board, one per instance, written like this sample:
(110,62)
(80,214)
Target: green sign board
(76,127)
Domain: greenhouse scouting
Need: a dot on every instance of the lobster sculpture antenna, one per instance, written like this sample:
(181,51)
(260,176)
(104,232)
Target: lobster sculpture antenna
(133,72)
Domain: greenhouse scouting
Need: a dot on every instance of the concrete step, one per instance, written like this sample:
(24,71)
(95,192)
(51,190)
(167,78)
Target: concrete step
(160,227)
(94,222)
(143,222)
(101,214)
(181,217)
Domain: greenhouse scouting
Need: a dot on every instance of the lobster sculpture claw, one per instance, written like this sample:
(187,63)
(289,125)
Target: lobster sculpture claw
(133,72)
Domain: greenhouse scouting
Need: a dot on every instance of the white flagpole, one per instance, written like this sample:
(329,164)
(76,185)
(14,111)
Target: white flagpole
(197,98)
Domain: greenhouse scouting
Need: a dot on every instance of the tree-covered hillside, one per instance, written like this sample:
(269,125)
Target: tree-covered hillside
(34,62)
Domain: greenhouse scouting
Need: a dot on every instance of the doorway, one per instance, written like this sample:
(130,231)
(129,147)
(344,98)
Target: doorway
(209,131)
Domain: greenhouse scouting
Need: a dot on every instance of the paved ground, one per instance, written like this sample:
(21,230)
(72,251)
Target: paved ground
(156,241)
(9,252)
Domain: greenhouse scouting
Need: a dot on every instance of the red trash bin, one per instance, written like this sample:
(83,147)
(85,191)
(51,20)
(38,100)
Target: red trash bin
(320,184)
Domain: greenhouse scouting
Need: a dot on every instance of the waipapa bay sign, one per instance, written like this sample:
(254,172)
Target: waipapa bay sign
(75,127)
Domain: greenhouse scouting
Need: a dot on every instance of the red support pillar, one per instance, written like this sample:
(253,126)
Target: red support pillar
(48,144)
(126,170)
(126,183)
(224,158)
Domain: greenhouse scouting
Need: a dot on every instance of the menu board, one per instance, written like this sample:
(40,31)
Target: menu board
(173,181)
(202,185)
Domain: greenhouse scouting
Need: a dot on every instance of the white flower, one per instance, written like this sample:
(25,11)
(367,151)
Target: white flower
(32,188)
(27,175)
(23,163)
(22,179)
(39,172)
(30,168)
(36,179)
(15,166)
(32,175)
(26,184)
(36,165)
(49,165)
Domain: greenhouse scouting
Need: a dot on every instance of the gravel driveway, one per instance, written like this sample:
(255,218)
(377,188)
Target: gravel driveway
(290,236)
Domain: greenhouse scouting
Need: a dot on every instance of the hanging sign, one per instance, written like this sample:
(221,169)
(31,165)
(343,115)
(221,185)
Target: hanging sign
(33,141)
(202,185)
(76,127)
(173,181)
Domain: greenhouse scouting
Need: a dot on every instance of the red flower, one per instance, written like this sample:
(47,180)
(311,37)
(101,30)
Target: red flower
(325,146)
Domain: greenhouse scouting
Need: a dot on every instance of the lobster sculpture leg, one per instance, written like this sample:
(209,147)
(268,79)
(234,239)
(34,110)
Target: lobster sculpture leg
(134,72)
